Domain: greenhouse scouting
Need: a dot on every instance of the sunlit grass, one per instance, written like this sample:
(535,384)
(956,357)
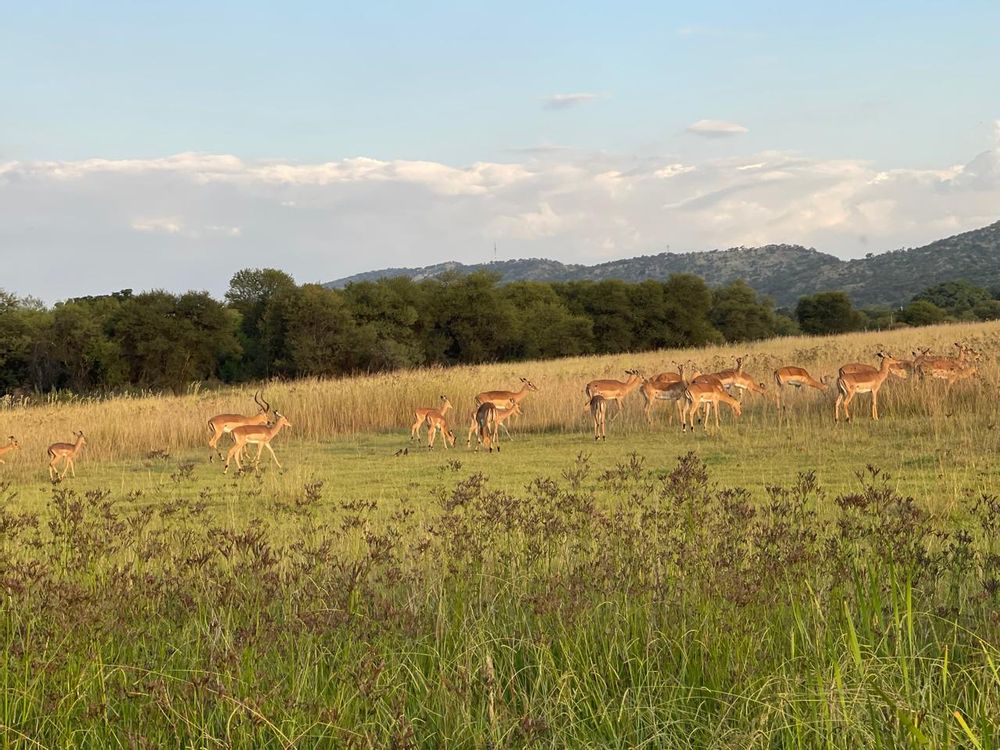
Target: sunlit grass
(573,595)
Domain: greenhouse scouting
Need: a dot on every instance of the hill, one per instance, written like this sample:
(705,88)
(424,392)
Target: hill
(783,272)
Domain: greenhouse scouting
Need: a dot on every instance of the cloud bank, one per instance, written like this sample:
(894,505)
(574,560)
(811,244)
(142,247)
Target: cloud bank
(189,221)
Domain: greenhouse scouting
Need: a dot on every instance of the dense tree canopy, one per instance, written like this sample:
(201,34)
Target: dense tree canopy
(270,326)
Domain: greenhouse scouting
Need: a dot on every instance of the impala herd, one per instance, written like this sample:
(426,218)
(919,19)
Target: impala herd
(697,394)
(694,394)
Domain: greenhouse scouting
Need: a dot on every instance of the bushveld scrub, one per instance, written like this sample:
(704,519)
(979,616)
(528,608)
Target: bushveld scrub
(770,588)
(616,607)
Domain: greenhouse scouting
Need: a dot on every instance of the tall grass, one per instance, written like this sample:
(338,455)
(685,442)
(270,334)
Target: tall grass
(320,410)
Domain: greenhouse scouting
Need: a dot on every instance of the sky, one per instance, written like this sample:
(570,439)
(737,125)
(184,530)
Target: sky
(168,145)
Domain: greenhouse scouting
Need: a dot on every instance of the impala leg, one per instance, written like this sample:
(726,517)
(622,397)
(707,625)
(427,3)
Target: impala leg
(234,451)
(472,429)
(504,425)
(271,451)
(875,405)
(415,430)
(847,403)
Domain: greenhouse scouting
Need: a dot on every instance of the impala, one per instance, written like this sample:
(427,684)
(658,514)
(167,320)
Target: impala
(709,395)
(487,425)
(437,424)
(598,412)
(949,369)
(67,452)
(12,445)
(796,377)
(510,409)
(854,379)
(613,390)
(736,378)
(255,434)
(501,399)
(421,416)
(663,387)
(221,424)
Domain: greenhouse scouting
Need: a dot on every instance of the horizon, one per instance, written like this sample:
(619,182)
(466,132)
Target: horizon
(332,141)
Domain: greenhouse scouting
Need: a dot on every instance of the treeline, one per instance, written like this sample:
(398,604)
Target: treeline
(269,326)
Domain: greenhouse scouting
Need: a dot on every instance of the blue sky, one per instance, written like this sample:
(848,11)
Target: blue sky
(907,88)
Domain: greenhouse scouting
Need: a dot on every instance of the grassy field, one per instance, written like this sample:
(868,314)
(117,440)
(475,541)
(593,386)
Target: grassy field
(754,586)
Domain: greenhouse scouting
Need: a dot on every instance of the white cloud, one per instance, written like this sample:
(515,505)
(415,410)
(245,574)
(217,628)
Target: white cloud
(171,225)
(716,129)
(192,220)
(565,101)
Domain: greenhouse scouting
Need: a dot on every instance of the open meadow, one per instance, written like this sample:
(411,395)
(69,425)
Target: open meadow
(782,581)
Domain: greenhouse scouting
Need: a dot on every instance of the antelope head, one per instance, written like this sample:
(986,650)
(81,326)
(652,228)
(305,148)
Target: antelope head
(264,406)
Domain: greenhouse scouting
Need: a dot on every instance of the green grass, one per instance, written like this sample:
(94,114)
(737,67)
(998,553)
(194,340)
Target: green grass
(574,595)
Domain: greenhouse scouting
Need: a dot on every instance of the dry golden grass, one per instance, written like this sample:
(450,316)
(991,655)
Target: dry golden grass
(324,410)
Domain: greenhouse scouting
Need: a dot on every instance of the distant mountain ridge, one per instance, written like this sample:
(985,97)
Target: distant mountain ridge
(783,272)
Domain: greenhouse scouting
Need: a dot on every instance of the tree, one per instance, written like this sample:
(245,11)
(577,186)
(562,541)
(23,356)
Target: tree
(169,341)
(920,312)
(250,292)
(467,319)
(543,325)
(740,315)
(956,298)
(690,300)
(392,311)
(321,337)
(87,356)
(828,312)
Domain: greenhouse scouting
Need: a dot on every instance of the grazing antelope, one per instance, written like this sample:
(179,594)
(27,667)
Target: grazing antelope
(707,395)
(796,377)
(613,390)
(221,424)
(598,412)
(675,392)
(856,378)
(949,369)
(510,409)
(255,434)
(501,399)
(664,387)
(13,445)
(67,452)
(437,424)
(736,379)
(486,422)
(421,416)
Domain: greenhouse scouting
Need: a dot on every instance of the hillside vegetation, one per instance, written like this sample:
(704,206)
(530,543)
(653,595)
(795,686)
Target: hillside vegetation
(783,272)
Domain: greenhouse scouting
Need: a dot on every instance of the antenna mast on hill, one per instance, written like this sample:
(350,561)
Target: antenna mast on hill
(494,251)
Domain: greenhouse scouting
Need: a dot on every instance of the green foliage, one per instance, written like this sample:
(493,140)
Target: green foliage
(168,341)
(543,325)
(922,312)
(741,315)
(250,292)
(828,312)
(956,298)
